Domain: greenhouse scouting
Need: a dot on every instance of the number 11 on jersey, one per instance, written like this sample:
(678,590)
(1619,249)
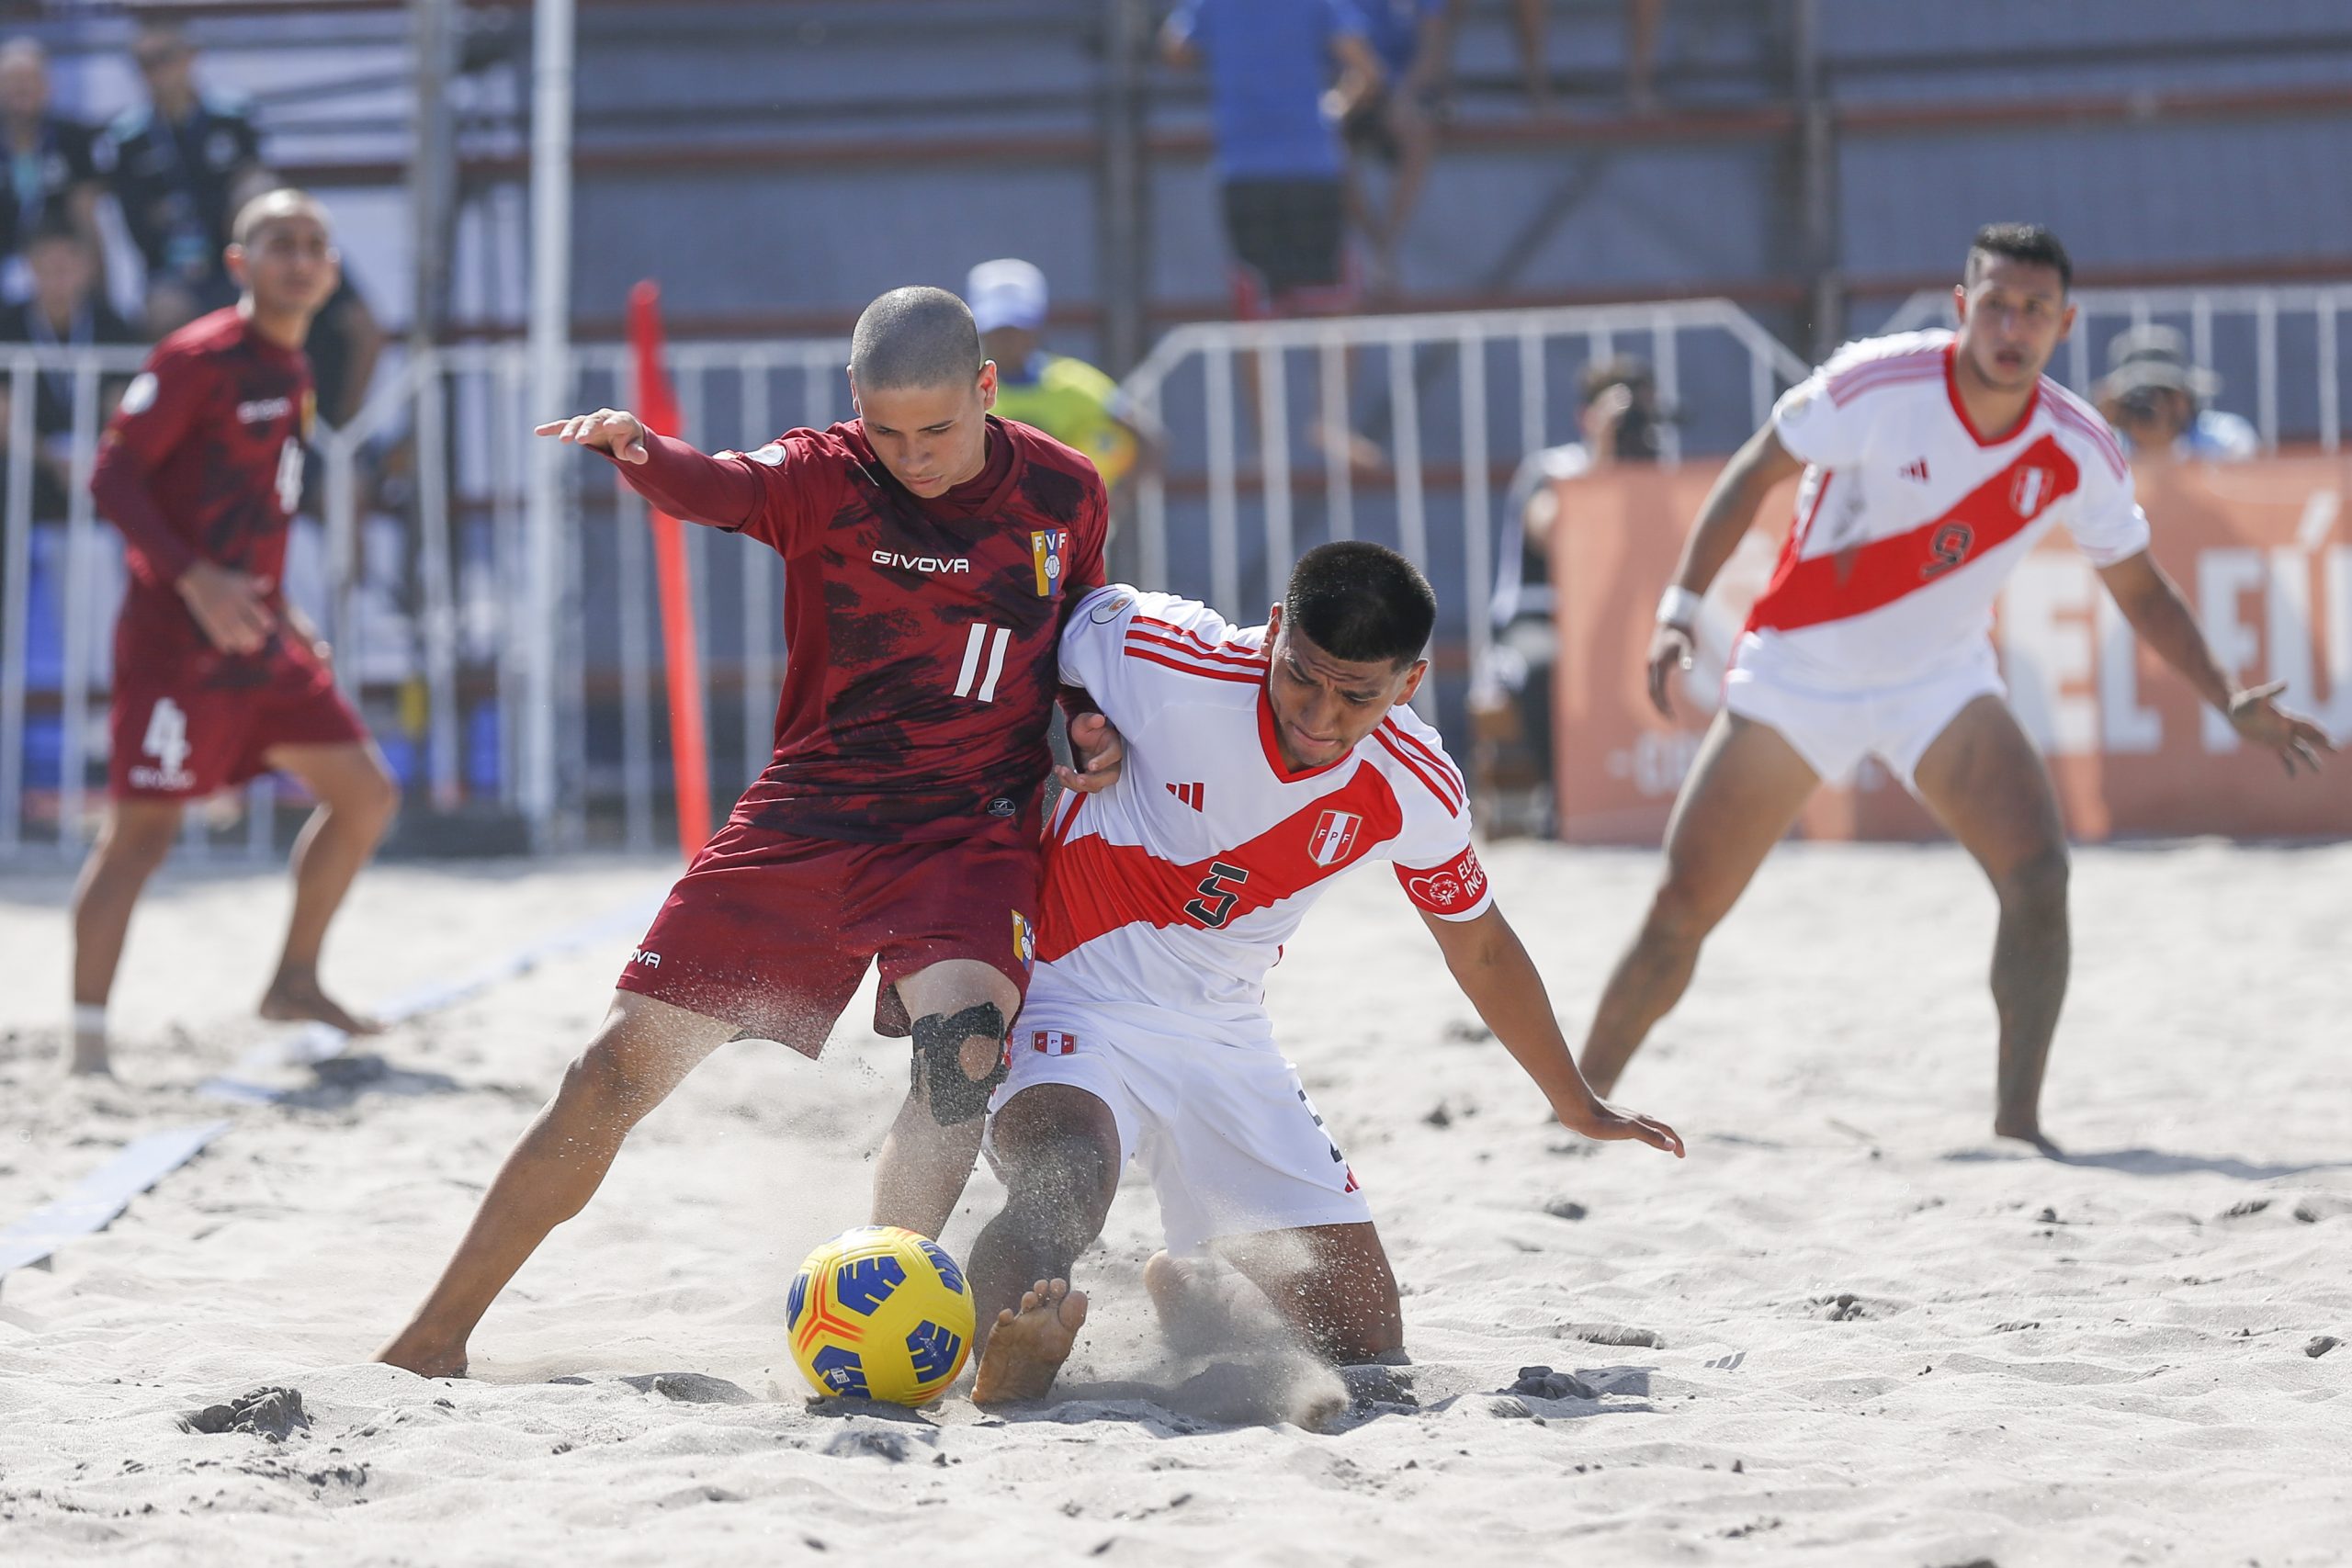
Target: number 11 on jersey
(991,640)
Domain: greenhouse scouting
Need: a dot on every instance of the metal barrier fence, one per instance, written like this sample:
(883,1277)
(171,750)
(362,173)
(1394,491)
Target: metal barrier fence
(1453,403)
(415,554)
(2250,334)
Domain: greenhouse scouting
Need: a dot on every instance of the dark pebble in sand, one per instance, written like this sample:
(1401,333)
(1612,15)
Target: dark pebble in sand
(1440,1116)
(691,1388)
(1613,1334)
(1565,1209)
(2321,1345)
(272,1413)
(1543,1382)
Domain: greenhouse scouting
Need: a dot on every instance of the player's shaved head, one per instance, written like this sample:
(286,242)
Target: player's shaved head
(915,337)
(272,206)
(1361,602)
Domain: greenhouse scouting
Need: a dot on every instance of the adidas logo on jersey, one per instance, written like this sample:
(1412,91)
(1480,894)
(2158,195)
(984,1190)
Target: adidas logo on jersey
(1190,794)
(1916,468)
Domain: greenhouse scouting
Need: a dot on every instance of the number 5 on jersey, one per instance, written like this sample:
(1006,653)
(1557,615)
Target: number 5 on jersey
(985,648)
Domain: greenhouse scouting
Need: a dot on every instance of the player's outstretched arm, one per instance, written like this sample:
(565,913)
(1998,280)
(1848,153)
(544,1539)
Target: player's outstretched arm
(1492,968)
(2150,602)
(1724,516)
(681,481)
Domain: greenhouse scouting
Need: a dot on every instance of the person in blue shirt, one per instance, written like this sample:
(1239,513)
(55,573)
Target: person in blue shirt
(1270,67)
(2156,400)
(1396,125)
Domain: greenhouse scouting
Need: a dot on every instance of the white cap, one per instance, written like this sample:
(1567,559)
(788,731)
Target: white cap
(1007,293)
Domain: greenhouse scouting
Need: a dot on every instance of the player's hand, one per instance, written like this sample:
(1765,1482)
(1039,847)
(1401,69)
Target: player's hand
(1671,648)
(2297,739)
(614,431)
(1603,1123)
(232,608)
(1096,743)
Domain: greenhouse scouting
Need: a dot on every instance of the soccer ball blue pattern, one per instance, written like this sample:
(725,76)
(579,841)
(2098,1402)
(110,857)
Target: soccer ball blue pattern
(880,1312)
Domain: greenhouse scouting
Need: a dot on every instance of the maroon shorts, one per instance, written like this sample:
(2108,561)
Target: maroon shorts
(772,931)
(183,733)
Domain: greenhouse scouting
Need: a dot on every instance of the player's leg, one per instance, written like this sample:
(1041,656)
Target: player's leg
(1982,778)
(1746,787)
(1331,1283)
(644,1050)
(357,800)
(133,842)
(961,1008)
(1056,1146)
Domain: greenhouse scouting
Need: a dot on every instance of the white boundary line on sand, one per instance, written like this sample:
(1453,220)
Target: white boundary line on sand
(100,1197)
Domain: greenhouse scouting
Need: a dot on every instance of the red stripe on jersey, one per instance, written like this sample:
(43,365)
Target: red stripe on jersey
(2063,410)
(1848,386)
(1414,766)
(1807,592)
(1218,656)
(1211,672)
(1196,639)
(1094,887)
(1428,753)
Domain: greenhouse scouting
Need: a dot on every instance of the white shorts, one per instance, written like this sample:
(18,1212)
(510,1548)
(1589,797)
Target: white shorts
(1833,731)
(1227,1134)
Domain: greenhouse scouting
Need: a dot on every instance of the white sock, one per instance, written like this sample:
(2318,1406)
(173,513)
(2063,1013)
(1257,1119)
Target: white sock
(90,1018)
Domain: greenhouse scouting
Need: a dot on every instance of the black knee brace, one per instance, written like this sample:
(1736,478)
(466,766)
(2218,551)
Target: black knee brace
(956,1096)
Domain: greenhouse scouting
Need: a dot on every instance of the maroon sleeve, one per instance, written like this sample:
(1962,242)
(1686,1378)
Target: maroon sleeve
(685,483)
(779,494)
(158,409)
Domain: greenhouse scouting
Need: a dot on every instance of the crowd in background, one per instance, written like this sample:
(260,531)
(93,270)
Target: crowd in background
(174,168)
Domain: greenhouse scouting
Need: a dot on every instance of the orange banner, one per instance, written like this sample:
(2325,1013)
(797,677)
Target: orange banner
(2262,552)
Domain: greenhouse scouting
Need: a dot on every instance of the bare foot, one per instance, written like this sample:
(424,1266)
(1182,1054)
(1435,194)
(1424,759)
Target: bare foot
(412,1352)
(86,1056)
(1026,1350)
(2025,1130)
(295,998)
(1193,1314)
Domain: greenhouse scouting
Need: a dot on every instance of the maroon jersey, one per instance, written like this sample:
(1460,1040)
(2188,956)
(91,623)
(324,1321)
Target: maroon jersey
(203,461)
(921,635)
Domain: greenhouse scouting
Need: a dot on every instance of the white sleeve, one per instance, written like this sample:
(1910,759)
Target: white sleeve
(1432,855)
(1119,641)
(2105,519)
(1812,422)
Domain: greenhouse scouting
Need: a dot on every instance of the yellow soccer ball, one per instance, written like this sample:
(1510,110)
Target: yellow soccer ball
(880,1312)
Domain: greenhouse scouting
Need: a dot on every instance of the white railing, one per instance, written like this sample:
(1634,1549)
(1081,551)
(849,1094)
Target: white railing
(428,600)
(2223,323)
(1441,398)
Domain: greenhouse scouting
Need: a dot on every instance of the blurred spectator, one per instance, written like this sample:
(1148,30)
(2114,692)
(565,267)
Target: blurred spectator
(1395,124)
(1642,19)
(345,340)
(2155,400)
(52,170)
(1278,158)
(173,164)
(66,310)
(1067,399)
(1620,424)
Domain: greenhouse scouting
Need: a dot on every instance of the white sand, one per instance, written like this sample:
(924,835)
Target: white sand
(2126,1384)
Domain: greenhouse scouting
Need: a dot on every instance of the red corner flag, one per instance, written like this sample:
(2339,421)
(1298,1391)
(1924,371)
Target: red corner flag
(689,747)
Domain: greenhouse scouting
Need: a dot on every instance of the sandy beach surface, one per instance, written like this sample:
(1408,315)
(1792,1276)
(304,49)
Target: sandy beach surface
(1863,1332)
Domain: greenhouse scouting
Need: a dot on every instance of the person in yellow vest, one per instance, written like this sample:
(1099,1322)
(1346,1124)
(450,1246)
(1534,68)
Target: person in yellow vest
(1067,399)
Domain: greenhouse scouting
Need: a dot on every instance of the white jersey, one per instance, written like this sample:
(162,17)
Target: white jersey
(1908,522)
(1173,891)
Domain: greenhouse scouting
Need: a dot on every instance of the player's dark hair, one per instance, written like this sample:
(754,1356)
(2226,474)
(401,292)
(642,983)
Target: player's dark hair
(1361,602)
(2021,242)
(53,230)
(915,337)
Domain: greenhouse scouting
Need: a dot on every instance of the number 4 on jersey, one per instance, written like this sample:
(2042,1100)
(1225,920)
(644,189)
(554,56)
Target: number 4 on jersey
(985,641)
